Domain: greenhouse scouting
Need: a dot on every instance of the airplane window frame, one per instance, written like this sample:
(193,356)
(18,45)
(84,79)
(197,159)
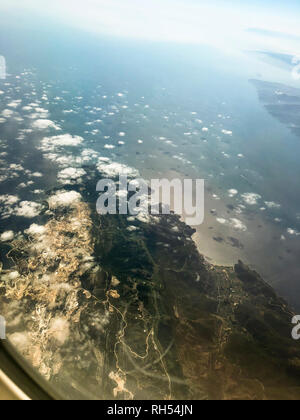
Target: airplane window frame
(19,371)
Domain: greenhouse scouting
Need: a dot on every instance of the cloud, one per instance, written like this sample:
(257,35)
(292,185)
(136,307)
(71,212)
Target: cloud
(7,236)
(40,113)
(64,199)
(251,198)
(70,175)
(20,340)
(28,209)
(7,113)
(227,132)
(272,205)
(293,232)
(11,205)
(49,144)
(35,230)
(45,124)
(15,104)
(114,169)
(221,220)
(233,223)
(232,192)
(238,225)
(59,330)
(9,200)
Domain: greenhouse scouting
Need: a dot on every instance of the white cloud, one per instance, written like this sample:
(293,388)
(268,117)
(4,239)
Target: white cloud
(45,124)
(65,161)
(64,199)
(272,205)
(35,230)
(13,275)
(7,236)
(232,192)
(251,198)
(89,154)
(20,340)
(233,223)
(70,175)
(7,113)
(238,225)
(40,113)
(59,330)
(49,144)
(16,167)
(14,104)
(227,132)
(132,228)
(28,209)
(36,174)
(9,200)
(221,220)
(114,169)
(293,232)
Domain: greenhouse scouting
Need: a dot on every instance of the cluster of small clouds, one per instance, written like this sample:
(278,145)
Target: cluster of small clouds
(31,111)
(182,159)
(11,205)
(70,176)
(10,171)
(233,223)
(59,148)
(253,199)
(28,209)
(72,172)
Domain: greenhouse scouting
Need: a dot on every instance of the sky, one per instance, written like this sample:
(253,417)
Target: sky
(221,23)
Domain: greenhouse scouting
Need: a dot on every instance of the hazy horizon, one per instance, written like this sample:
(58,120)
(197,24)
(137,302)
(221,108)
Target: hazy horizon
(224,24)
